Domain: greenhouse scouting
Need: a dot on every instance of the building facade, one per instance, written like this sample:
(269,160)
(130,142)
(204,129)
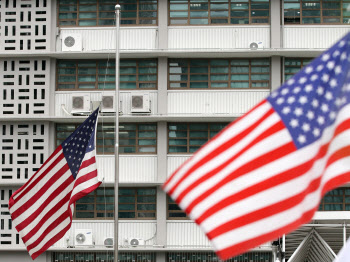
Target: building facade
(187,68)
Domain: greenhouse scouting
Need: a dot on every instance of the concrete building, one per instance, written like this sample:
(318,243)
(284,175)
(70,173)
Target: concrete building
(187,69)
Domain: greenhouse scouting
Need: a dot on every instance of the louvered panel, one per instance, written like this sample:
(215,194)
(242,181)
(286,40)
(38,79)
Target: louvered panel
(185,234)
(213,102)
(312,36)
(135,169)
(104,229)
(97,39)
(217,37)
(174,162)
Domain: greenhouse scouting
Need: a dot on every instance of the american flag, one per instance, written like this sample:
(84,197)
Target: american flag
(265,174)
(42,208)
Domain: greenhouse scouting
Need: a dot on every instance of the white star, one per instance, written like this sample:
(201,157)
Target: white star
(341,43)
(306,127)
(280,100)
(333,82)
(290,81)
(325,78)
(325,57)
(310,115)
(316,132)
(308,88)
(338,102)
(346,87)
(294,123)
(343,56)
(303,100)
(309,69)
(314,77)
(71,150)
(301,139)
(90,146)
(337,70)
(320,120)
(274,94)
(328,95)
(332,115)
(297,90)
(70,157)
(320,90)
(319,68)
(298,111)
(302,80)
(336,53)
(314,103)
(291,99)
(324,108)
(286,110)
(284,91)
(330,65)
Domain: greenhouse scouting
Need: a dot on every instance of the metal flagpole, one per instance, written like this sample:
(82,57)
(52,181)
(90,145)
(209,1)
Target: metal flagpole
(116,153)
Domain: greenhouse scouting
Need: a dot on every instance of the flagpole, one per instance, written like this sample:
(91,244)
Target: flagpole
(116,150)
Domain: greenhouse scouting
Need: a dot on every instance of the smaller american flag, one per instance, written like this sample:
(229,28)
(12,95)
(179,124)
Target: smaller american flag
(42,208)
(265,174)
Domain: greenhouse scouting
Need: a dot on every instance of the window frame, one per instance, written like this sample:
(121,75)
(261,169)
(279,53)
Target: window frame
(137,23)
(168,211)
(343,195)
(229,17)
(97,82)
(229,74)
(303,63)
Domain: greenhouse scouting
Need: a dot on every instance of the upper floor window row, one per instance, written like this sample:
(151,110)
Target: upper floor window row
(215,12)
(219,73)
(316,11)
(102,12)
(100,74)
(294,65)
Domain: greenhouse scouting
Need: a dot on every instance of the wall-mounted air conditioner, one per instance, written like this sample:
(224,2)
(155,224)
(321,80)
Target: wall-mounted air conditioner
(108,242)
(108,104)
(140,103)
(136,242)
(72,42)
(83,237)
(256,45)
(80,104)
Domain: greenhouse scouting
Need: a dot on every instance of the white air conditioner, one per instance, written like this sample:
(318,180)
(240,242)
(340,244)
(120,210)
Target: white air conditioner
(136,242)
(108,242)
(72,42)
(80,104)
(256,45)
(83,237)
(140,103)
(107,103)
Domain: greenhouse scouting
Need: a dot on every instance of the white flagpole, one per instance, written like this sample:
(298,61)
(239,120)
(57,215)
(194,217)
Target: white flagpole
(116,153)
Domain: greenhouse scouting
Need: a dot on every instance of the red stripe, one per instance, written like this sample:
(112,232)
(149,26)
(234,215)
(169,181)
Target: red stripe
(32,185)
(215,138)
(33,176)
(47,202)
(84,192)
(220,149)
(33,198)
(87,163)
(51,241)
(59,204)
(263,185)
(274,129)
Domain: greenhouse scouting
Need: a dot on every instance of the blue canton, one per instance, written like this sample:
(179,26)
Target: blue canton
(80,142)
(310,101)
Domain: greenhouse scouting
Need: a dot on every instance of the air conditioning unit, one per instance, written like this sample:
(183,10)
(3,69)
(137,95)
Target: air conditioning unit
(256,45)
(107,103)
(136,242)
(80,104)
(72,42)
(140,103)
(109,242)
(83,237)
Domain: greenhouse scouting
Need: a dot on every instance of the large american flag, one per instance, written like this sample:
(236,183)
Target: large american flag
(265,174)
(42,208)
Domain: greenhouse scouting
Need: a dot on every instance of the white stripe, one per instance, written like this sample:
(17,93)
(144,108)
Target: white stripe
(32,192)
(49,236)
(38,219)
(38,173)
(226,155)
(44,226)
(244,123)
(41,199)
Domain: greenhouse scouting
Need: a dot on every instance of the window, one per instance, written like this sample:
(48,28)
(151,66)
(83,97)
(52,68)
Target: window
(94,256)
(214,12)
(102,12)
(174,211)
(134,203)
(100,74)
(219,73)
(293,66)
(316,12)
(261,256)
(133,138)
(189,137)
(336,200)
